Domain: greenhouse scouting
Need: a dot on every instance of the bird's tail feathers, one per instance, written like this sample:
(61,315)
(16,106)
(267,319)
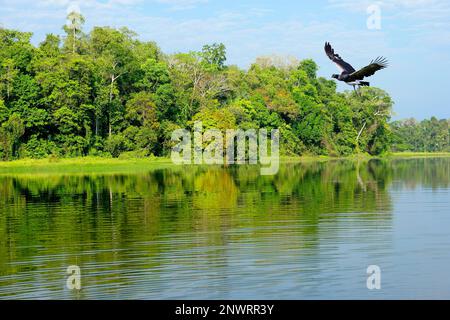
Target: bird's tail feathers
(364,84)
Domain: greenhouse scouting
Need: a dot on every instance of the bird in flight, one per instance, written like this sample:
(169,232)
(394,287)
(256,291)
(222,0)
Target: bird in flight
(348,74)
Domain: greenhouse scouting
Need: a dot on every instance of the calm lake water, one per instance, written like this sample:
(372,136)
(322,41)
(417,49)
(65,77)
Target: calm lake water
(228,233)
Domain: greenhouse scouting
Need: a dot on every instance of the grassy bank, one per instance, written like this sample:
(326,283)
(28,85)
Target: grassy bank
(393,155)
(108,165)
(85,165)
(419,154)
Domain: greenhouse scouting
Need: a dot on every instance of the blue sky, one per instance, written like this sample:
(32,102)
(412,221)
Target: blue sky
(414,35)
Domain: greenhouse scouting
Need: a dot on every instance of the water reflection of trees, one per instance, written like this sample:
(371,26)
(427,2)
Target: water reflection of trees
(182,195)
(112,214)
(430,173)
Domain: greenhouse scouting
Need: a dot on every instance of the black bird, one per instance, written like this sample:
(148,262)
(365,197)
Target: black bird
(349,75)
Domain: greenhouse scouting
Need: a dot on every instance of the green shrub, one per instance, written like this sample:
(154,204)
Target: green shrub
(116,144)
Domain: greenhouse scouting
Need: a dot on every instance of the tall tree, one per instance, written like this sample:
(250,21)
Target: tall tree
(214,55)
(113,51)
(74,31)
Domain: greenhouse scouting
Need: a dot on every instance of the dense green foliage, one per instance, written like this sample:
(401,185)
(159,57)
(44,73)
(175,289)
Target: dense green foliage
(106,93)
(425,136)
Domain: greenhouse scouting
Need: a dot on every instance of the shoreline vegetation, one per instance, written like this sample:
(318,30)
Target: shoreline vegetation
(117,165)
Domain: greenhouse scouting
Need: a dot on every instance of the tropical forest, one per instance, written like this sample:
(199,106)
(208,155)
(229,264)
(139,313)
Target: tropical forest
(105,93)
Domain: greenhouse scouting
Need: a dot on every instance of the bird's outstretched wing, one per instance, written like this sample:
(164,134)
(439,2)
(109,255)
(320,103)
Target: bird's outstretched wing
(376,65)
(342,65)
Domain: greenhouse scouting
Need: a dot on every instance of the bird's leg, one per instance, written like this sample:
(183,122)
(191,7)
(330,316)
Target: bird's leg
(358,92)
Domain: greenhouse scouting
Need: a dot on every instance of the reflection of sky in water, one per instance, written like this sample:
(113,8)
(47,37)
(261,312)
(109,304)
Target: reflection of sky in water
(310,232)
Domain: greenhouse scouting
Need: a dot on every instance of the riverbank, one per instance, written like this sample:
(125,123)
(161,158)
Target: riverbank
(419,154)
(85,165)
(108,165)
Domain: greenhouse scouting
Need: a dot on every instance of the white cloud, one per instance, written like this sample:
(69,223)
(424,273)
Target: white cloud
(361,5)
(413,33)
(182,4)
(414,9)
(73,7)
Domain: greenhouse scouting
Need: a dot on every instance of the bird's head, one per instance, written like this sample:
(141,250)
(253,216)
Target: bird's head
(335,76)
